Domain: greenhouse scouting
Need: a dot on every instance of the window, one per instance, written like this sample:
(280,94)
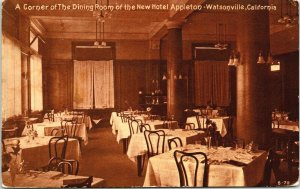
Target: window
(35,44)
(36,83)
(93,84)
(11,78)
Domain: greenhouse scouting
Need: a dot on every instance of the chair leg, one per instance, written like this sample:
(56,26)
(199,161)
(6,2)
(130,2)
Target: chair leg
(139,165)
(125,144)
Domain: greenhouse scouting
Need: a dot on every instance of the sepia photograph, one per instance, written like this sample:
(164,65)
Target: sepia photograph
(150,93)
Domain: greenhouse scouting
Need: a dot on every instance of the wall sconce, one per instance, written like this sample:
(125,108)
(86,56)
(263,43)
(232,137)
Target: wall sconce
(270,59)
(234,59)
(261,59)
(164,77)
(178,76)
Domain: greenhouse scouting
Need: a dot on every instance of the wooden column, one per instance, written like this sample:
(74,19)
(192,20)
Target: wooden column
(253,107)
(176,94)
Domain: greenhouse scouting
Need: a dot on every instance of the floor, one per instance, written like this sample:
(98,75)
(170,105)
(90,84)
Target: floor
(103,157)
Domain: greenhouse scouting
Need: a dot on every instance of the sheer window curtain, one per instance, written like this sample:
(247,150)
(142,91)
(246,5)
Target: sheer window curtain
(93,84)
(11,78)
(83,85)
(211,83)
(36,83)
(104,84)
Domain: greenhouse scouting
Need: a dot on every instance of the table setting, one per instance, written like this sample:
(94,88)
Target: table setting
(45,128)
(228,166)
(34,152)
(50,179)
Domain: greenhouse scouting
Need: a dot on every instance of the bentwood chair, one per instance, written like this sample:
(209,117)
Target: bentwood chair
(54,149)
(144,127)
(176,141)
(134,126)
(189,126)
(193,159)
(69,167)
(155,141)
(201,126)
(66,166)
(266,182)
(85,184)
(70,128)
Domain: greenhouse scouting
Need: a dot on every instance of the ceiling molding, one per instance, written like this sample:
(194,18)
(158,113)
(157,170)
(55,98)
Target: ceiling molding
(38,27)
(91,35)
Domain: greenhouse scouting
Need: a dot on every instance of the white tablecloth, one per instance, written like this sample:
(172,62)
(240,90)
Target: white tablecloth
(62,116)
(138,146)
(221,123)
(50,179)
(124,132)
(36,153)
(123,128)
(45,128)
(162,170)
(290,127)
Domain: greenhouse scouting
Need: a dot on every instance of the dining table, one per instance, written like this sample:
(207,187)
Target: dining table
(35,153)
(287,125)
(50,179)
(69,116)
(138,146)
(228,167)
(45,128)
(221,122)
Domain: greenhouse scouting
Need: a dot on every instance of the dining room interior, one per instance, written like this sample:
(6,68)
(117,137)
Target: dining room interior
(111,93)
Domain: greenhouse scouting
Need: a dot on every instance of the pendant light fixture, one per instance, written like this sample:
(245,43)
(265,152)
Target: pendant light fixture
(234,59)
(270,59)
(261,59)
(221,37)
(96,43)
(102,15)
(230,62)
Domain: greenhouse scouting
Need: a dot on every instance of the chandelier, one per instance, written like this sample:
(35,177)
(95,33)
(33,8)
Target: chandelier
(289,19)
(101,39)
(102,15)
(221,37)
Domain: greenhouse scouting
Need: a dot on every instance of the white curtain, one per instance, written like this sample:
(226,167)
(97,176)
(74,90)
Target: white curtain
(11,78)
(83,85)
(36,83)
(104,84)
(93,84)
